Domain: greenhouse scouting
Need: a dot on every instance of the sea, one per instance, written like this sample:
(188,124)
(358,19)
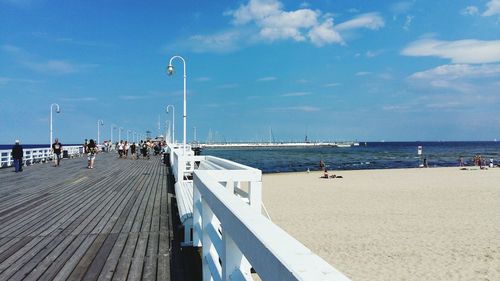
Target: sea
(370,155)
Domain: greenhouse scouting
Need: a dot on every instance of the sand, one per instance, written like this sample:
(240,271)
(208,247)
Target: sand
(398,224)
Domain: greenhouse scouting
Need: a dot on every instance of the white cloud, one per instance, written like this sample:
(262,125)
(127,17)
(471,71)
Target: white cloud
(52,66)
(407,24)
(8,80)
(332,85)
(324,34)
(266,79)
(493,8)
(461,51)
(470,11)
(463,78)
(369,20)
(401,7)
(274,23)
(459,71)
(288,24)
(222,42)
(296,94)
(371,54)
(362,73)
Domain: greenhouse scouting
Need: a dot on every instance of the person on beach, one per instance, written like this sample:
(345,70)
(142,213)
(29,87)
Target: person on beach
(461,161)
(321,164)
(92,151)
(17,155)
(56,149)
(325,174)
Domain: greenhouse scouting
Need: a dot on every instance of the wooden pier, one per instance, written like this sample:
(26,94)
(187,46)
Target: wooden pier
(113,222)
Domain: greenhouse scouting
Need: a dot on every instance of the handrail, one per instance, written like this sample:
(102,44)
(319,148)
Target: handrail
(249,236)
(228,224)
(36,155)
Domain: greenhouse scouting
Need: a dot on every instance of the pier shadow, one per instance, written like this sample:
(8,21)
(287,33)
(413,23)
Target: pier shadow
(185,262)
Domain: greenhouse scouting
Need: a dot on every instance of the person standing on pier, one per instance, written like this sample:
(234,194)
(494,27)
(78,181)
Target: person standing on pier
(17,155)
(92,151)
(56,149)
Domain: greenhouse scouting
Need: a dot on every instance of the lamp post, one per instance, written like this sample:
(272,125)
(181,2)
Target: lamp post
(173,121)
(194,129)
(170,71)
(99,124)
(128,131)
(113,126)
(120,134)
(167,130)
(57,111)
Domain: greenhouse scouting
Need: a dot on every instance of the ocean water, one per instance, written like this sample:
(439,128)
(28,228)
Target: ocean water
(375,155)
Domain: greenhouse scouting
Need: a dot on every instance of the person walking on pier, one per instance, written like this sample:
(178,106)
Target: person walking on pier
(132,151)
(56,149)
(120,149)
(17,155)
(92,151)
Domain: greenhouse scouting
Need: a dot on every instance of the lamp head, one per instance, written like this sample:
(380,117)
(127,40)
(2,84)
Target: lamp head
(170,70)
(58,111)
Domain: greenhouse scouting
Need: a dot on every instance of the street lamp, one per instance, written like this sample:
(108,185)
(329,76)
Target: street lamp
(128,131)
(170,71)
(99,124)
(57,111)
(113,126)
(194,129)
(173,121)
(120,134)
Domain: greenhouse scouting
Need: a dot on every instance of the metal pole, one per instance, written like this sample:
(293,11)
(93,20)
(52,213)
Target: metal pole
(111,129)
(99,124)
(52,105)
(184,113)
(194,133)
(173,121)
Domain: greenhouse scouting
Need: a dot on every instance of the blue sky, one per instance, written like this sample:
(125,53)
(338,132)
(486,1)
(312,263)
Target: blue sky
(338,70)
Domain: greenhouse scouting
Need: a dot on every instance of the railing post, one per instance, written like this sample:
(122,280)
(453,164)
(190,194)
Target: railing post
(230,186)
(207,216)
(231,258)
(255,195)
(197,214)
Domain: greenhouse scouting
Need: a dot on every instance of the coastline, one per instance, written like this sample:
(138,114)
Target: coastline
(394,224)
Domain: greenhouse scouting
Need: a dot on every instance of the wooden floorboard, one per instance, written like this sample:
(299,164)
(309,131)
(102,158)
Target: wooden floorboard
(73,223)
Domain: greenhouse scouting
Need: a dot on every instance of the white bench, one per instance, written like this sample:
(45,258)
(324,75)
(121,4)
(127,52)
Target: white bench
(184,196)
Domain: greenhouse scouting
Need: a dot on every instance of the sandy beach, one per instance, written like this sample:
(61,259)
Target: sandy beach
(399,224)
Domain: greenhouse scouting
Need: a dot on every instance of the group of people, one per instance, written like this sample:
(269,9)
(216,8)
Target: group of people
(91,148)
(144,148)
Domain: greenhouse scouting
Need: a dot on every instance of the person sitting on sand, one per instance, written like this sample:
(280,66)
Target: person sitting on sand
(325,174)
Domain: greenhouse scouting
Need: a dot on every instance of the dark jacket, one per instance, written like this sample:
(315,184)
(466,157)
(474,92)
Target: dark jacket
(17,151)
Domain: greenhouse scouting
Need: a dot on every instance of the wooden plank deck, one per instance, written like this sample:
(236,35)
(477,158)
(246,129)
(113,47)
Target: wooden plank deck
(112,222)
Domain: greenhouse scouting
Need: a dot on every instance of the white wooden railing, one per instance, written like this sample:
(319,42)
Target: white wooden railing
(36,155)
(228,224)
